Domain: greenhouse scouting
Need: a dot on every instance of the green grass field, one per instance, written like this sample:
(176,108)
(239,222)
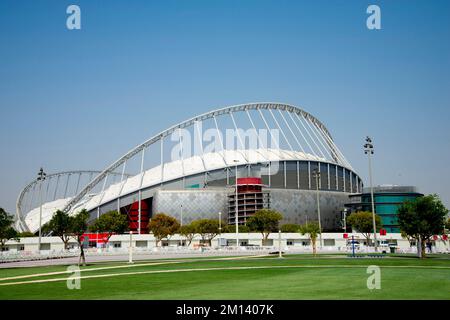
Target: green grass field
(293,277)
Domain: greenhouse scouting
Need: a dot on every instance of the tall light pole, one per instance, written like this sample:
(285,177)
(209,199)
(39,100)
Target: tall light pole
(220,228)
(40,178)
(345,220)
(316,174)
(368,149)
(181,215)
(236,204)
(130,248)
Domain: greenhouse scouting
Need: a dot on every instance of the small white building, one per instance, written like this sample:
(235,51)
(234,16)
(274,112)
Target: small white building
(295,242)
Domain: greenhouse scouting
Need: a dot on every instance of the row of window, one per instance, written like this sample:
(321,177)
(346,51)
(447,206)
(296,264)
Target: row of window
(283,174)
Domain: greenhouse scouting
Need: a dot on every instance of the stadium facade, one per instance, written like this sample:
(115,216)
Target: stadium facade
(281,155)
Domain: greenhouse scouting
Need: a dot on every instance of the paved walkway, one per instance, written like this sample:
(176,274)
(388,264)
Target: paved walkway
(122,257)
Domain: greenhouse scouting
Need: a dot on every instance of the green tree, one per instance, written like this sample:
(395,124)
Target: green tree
(290,228)
(422,218)
(207,228)
(111,222)
(231,228)
(264,221)
(312,230)
(7,232)
(162,226)
(59,226)
(447,225)
(78,227)
(188,231)
(407,237)
(26,234)
(363,222)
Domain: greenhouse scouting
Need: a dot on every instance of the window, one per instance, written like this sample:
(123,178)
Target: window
(117,244)
(329,242)
(21,247)
(45,246)
(332,177)
(195,182)
(290,242)
(242,172)
(347,181)
(305,243)
(291,175)
(217,178)
(340,178)
(141,244)
(303,171)
(277,174)
(174,185)
(314,166)
(324,176)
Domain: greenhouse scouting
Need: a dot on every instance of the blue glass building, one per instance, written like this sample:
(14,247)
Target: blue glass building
(387,200)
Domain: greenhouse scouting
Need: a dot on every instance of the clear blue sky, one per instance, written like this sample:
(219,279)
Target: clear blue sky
(80,99)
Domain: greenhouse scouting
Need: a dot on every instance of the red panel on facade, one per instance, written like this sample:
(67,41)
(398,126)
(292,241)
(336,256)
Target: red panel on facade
(241,181)
(133,217)
(96,237)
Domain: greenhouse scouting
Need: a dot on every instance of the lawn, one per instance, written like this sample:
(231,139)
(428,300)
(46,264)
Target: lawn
(293,277)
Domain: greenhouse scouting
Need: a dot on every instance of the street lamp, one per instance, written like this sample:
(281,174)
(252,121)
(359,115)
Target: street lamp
(345,220)
(316,174)
(41,177)
(368,149)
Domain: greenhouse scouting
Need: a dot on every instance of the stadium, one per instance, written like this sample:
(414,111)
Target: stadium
(281,155)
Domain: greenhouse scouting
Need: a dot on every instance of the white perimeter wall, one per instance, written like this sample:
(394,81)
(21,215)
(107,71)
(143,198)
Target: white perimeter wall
(288,240)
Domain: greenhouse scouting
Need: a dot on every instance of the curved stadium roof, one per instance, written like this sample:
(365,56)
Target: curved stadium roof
(301,137)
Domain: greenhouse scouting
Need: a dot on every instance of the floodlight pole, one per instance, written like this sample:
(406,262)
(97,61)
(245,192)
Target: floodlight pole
(368,149)
(345,220)
(316,174)
(130,248)
(41,178)
(220,229)
(236,211)
(279,244)
(181,215)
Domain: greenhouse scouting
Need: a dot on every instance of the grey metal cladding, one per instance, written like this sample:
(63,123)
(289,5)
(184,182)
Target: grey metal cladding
(297,206)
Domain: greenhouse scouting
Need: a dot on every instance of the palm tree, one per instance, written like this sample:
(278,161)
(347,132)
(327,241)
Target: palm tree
(312,230)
